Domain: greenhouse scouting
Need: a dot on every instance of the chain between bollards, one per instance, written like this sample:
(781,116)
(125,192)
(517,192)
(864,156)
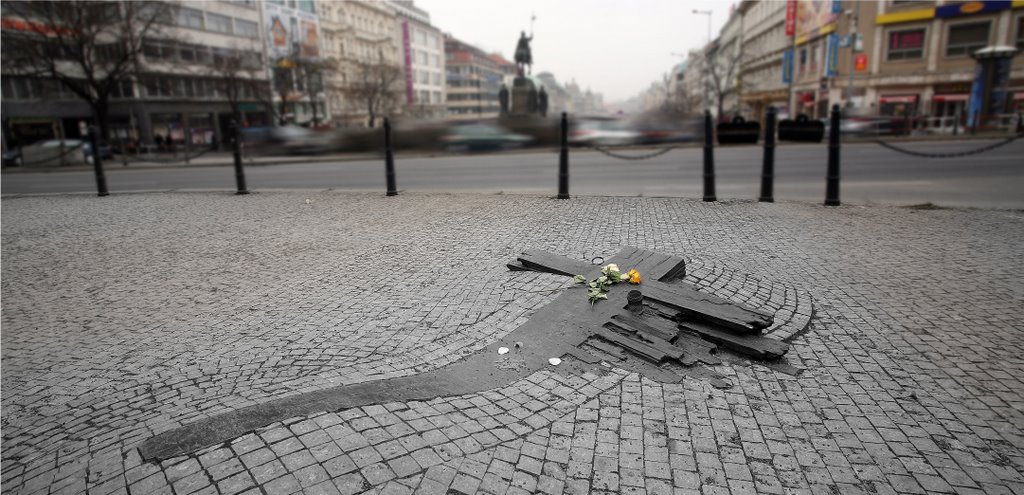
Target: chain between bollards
(236,145)
(768,165)
(832,179)
(709,158)
(389,159)
(97,163)
(563,160)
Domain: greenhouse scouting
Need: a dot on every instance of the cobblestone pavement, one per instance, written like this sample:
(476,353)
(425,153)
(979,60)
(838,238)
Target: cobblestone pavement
(131,315)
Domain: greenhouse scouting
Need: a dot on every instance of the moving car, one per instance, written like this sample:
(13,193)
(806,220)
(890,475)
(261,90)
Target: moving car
(602,133)
(482,137)
(50,153)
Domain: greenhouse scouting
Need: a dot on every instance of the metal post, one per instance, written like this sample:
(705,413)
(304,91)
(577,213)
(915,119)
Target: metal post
(97,163)
(563,160)
(389,159)
(768,166)
(832,180)
(1020,123)
(709,158)
(236,144)
(956,121)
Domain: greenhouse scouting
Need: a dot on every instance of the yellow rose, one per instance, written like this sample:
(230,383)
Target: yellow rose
(634,276)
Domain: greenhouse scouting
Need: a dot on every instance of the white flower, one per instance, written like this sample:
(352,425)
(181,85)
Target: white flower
(610,267)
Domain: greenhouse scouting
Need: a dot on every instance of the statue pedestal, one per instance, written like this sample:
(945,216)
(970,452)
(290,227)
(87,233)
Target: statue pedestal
(522,89)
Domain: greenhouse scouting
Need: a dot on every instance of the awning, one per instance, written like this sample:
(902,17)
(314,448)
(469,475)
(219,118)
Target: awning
(952,97)
(898,99)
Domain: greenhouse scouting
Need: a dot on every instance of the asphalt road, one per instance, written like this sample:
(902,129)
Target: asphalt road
(870,174)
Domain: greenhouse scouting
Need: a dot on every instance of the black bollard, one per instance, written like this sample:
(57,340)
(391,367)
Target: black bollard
(236,144)
(709,158)
(563,160)
(832,180)
(389,159)
(1020,123)
(768,165)
(97,163)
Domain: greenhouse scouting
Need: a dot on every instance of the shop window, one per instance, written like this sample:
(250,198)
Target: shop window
(965,39)
(907,44)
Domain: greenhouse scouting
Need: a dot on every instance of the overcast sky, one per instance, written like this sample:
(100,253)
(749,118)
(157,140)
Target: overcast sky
(616,47)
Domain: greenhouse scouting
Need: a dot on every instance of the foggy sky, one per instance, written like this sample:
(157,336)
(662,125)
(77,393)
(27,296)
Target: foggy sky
(616,47)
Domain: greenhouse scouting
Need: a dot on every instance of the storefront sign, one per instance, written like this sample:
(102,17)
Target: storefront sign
(898,99)
(860,62)
(971,8)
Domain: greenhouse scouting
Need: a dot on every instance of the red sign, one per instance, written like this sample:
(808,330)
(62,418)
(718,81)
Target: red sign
(790,17)
(860,62)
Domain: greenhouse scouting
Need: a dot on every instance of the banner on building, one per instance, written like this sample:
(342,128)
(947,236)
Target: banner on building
(410,95)
(832,55)
(812,18)
(291,30)
(790,17)
(787,66)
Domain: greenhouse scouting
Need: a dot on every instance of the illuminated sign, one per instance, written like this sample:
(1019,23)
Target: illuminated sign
(971,8)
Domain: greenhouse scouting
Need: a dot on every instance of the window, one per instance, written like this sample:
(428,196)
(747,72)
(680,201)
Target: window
(803,60)
(190,18)
(247,29)
(437,79)
(218,23)
(965,39)
(1020,33)
(307,6)
(906,45)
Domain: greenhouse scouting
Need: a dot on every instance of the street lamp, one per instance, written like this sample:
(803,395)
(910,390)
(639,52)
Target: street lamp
(707,58)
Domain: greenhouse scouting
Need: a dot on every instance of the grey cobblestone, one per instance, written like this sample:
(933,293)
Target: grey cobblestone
(132,315)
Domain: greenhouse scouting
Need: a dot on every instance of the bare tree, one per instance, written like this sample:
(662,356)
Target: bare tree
(296,76)
(237,75)
(90,47)
(722,75)
(374,87)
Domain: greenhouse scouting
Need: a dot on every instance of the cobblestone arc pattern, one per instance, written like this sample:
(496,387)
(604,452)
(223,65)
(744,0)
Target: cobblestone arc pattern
(131,316)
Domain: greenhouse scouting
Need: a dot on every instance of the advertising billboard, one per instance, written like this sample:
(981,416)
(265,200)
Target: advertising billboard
(812,15)
(291,30)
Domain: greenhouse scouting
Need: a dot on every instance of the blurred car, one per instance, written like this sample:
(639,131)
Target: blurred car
(873,126)
(603,133)
(43,152)
(296,140)
(659,132)
(482,137)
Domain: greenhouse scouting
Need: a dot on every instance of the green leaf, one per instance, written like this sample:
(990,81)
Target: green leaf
(579,279)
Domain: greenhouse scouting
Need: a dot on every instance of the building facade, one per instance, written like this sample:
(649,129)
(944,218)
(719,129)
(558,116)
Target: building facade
(177,95)
(473,81)
(423,62)
(357,34)
(763,47)
(293,45)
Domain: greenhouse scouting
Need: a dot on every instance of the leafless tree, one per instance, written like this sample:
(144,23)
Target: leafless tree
(90,47)
(374,86)
(237,75)
(296,76)
(722,74)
